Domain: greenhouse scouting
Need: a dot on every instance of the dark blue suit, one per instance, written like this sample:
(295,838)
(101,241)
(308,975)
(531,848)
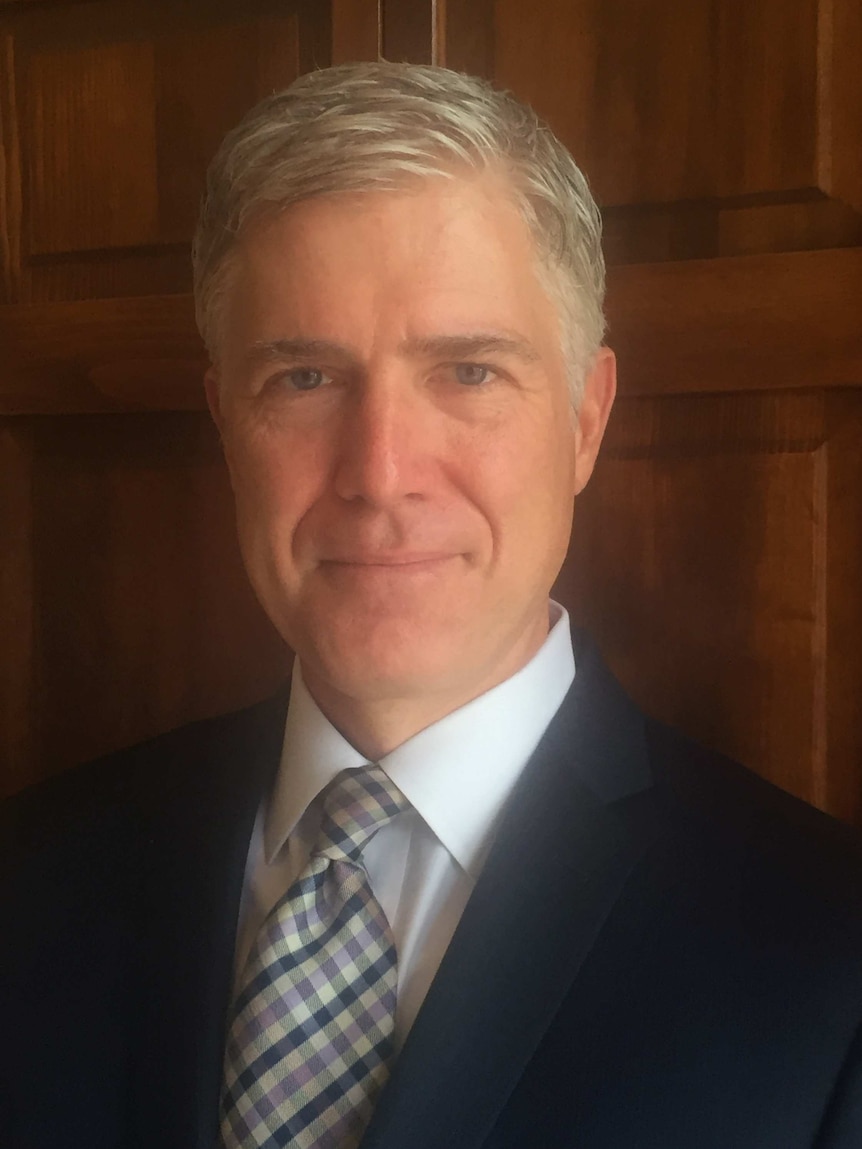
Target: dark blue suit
(662,952)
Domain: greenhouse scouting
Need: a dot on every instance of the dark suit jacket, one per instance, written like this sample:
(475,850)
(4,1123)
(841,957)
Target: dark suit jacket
(662,952)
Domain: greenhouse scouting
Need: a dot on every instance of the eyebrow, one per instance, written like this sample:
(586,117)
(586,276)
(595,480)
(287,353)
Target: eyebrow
(470,346)
(270,350)
(427,347)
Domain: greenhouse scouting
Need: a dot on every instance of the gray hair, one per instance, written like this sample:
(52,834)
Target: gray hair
(375,126)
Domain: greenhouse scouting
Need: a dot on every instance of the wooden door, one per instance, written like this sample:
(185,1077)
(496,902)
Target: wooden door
(717,553)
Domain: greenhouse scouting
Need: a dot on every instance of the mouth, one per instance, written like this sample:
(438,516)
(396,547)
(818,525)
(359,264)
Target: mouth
(405,562)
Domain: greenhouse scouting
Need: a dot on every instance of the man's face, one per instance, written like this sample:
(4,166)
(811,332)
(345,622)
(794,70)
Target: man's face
(394,407)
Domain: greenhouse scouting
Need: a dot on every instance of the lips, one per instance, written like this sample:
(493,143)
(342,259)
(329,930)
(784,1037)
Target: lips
(394,559)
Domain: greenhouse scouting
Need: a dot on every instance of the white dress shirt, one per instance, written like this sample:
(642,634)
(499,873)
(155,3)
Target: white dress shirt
(457,775)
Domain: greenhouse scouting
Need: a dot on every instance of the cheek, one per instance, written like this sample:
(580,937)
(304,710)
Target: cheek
(273,479)
(526,481)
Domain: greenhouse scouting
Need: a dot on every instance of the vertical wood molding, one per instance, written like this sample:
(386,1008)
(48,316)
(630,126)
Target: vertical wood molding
(845,78)
(16,608)
(438,32)
(825,53)
(820,627)
(10,176)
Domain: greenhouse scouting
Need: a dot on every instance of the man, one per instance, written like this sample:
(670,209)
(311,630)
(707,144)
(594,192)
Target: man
(460,892)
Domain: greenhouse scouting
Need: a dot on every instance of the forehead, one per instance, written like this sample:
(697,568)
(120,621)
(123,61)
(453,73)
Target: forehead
(442,254)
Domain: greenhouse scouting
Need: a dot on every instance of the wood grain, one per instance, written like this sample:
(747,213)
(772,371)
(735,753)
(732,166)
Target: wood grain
(715,554)
(315,34)
(142,616)
(17,606)
(756,322)
(90,131)
(804,226)
(85,356)
(840,100)
(122,104)
(194,105)
(707,229)
(667,101)
(356,30)
(685,115)
(468,41)
(244,61)
(277,59)
(10,177)
(410,31)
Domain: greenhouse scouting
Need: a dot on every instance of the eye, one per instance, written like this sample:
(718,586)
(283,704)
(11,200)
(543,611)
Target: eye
(304,378)
(472,374)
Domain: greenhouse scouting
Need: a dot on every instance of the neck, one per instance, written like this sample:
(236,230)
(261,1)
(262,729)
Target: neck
(375,726)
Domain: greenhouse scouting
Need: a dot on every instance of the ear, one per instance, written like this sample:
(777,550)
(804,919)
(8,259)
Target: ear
(213,394)
(591,418)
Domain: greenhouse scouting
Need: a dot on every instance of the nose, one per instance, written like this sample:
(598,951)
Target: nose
(385,447)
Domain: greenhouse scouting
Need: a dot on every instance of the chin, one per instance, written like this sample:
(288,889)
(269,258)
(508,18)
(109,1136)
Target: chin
(386,662)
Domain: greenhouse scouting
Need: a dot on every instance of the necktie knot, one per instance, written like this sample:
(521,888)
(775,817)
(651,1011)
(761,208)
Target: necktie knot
(356,804)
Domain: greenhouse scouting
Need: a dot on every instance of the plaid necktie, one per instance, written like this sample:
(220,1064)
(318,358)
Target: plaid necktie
(310,1042)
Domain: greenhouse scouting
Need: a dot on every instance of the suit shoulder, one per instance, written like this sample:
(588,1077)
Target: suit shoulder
(744,816)
(110,788)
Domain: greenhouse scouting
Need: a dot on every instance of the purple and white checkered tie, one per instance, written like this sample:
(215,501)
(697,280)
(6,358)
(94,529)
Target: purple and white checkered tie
(310,1042)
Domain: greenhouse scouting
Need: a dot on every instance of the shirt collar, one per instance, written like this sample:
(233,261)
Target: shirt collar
(457,773)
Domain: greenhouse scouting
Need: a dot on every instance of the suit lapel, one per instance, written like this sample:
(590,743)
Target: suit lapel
(199,831)
(574,829)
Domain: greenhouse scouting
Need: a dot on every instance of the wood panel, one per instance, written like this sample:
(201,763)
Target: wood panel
(90,129)
(755,322)
(414,31)
(121,105)
(717,555)
(356,30)
(10,174)
(126,607)
(194,109)
(101,355)
(748,74)
(684,115)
